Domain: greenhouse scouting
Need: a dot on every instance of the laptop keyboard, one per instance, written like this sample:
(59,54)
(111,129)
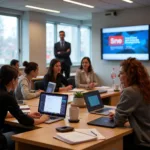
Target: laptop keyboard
(53,117)
(103,110)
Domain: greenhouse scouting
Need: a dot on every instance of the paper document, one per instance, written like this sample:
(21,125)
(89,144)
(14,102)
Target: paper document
(70,98)
(74,137)
(25,108)
(92,132)
(77,90)
(107,88)
(104,87)
(79,136)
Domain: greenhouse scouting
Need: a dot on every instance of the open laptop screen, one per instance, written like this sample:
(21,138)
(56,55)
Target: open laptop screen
(53,104)
(93,100)
(50,87)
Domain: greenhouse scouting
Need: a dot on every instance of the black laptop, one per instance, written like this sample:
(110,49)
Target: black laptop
(54,105)
(95,104)
(103,121)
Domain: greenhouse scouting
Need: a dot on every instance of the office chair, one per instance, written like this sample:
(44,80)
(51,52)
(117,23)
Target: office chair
(39,85)
(71,81)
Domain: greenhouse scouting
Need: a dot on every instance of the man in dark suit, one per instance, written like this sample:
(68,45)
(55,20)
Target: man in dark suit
(62,51)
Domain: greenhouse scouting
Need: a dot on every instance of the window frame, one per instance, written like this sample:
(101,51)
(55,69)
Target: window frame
(79,38)
(90,43)
(19,25)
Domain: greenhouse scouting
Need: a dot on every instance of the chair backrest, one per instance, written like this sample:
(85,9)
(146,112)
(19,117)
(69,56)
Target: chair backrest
(71,81)
(39,85)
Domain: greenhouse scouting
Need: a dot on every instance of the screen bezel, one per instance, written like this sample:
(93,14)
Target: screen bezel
(53,114)
(53,88)
(92,93)
(102,47)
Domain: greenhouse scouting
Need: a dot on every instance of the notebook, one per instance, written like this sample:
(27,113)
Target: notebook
(79,136)
(25,108)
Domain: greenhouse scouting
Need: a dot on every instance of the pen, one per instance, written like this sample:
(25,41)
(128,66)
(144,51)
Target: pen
(94,133)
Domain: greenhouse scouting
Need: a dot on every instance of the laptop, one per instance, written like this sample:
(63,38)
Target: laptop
(50,87)
(94,103)
(103,121)
(54,105)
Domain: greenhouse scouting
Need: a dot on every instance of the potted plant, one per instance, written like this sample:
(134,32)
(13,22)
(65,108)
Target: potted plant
(78,99)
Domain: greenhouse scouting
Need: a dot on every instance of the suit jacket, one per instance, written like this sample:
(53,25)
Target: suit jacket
(64,56)
(80,79)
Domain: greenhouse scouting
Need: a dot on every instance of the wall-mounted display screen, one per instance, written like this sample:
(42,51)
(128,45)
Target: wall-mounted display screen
(119,43)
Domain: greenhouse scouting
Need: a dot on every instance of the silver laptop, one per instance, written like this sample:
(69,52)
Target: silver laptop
(95,104)
(51,87)
(55,105)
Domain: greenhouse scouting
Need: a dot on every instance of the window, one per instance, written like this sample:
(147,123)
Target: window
(9,43)
(71,33)
(49,42)
(85,45)
(79,37)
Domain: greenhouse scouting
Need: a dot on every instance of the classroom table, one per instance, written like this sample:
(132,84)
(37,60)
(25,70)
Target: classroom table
(42,138)
(41,77)
(38,78)
(112,97)
(33,103)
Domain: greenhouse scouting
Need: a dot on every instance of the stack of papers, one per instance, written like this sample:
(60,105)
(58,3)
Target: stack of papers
(107,88)
(92,132)
(79,136)
(25,108)
(77,90)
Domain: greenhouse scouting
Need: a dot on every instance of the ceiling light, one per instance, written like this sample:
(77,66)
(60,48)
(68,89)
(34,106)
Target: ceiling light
(77,3)
(43,9)
(128,1)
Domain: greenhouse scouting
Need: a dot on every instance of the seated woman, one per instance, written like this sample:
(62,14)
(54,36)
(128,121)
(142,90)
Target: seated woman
(15,63)
(8,82)
(134,104)
(23,90)
(54,75)
(85,76)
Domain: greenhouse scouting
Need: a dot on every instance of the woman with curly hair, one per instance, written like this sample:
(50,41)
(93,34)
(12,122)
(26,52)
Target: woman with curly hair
(134,105)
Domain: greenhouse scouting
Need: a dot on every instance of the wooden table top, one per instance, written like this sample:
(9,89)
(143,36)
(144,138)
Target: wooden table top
(33,104)
(35,101)
(42,76)
(44,136)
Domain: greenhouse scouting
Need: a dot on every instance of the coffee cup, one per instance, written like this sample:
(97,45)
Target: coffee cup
(74,113)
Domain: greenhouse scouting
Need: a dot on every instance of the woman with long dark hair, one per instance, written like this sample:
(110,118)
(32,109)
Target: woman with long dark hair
(54,75)
(134,104)
(8,82)
(85,76)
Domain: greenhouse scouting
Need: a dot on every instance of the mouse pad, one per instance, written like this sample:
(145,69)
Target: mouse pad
(103,121)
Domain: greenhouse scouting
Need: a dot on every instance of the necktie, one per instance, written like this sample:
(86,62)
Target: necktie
(62,44)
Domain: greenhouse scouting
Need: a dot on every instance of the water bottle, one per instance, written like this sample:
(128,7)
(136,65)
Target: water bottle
(113,77)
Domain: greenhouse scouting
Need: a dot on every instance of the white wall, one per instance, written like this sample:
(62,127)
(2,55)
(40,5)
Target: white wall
(99,20)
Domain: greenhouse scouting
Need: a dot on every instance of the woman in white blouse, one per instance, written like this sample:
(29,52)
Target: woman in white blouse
(23,90)
(85,76)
